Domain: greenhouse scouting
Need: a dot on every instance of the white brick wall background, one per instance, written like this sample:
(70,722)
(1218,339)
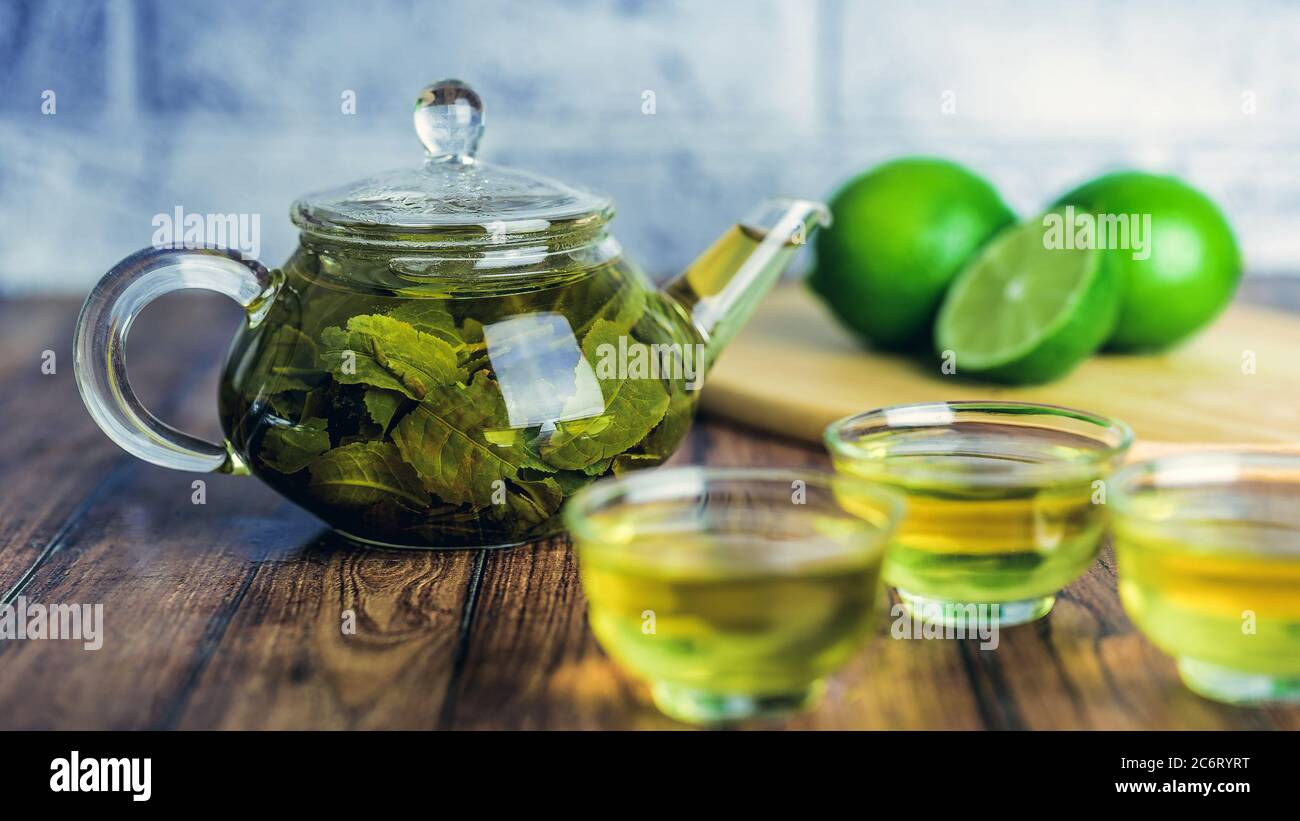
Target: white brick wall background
(235,107)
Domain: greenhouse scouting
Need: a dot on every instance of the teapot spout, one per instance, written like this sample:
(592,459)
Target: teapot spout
(723,286)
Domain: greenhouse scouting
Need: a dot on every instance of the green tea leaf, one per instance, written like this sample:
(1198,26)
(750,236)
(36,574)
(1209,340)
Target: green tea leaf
(381,405)
(660,443)
(632,408)
(349,419)
(290,449)
(288,405)
(471,330)
(317,402)
(424,448)
(430,316)
(446,439)
(386,353)
(629,462)
(365,473)
(529,502)
(572,481)
(588,301)
(291,360)
(476,352)
(598,468)
(622,312)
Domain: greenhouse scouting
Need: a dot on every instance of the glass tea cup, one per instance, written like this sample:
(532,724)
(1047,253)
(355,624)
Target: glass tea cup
(1004,501)
(1208,551)
(735,592)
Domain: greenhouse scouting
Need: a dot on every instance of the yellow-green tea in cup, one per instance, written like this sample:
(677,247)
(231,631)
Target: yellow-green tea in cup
(1005,501)
(1208,551)
(734,592)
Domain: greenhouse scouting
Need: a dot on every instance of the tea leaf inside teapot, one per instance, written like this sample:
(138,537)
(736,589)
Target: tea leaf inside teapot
(382,405)
(530,502)
(430,316)
(595,301)
(660,443)
(451,419)
(291,359)
(290,449)
(364,473)
(633,406)
(381,351)
(442,439)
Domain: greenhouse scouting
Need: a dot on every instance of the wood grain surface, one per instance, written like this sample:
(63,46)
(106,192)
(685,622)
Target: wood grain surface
(232,614)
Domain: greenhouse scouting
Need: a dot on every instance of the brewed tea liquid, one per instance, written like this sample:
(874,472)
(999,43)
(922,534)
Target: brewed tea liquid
(732,613)
(982,522)
(1216,576)
(450,411)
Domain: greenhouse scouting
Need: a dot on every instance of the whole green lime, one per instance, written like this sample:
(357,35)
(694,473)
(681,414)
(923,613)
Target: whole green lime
(1180,265)
(901,232)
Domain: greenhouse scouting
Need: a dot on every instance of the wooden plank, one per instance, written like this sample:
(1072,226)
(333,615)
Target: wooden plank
(531,662)
(85,523)
(1086,667)
(168,574)
(52,456)
(288,659)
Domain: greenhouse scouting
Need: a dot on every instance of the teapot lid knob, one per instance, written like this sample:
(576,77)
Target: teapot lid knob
(449,119)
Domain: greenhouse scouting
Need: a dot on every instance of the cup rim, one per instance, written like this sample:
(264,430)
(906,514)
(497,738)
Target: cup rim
(840,446)
(577,509)
(1198,468)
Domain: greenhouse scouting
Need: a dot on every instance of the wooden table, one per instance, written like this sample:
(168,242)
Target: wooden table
(231,614)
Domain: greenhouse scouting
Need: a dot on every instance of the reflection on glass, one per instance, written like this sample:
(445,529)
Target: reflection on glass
(543,376)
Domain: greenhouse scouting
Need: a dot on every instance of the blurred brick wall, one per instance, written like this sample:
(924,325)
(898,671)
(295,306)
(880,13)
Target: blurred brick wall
(236,107)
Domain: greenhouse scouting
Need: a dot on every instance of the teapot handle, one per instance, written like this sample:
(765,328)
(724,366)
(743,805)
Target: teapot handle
(99,348)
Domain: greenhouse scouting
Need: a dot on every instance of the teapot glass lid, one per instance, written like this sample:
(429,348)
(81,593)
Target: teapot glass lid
(453,195)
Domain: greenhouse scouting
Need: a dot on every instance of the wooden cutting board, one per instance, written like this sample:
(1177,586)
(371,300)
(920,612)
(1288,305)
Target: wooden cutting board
(794,369)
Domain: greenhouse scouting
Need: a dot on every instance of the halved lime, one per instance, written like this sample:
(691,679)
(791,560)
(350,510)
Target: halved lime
(1022,312)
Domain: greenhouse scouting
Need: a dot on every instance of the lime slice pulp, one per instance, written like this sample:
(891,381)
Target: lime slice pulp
(1022,312)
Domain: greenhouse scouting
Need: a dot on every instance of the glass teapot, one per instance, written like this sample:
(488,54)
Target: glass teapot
(452,350)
